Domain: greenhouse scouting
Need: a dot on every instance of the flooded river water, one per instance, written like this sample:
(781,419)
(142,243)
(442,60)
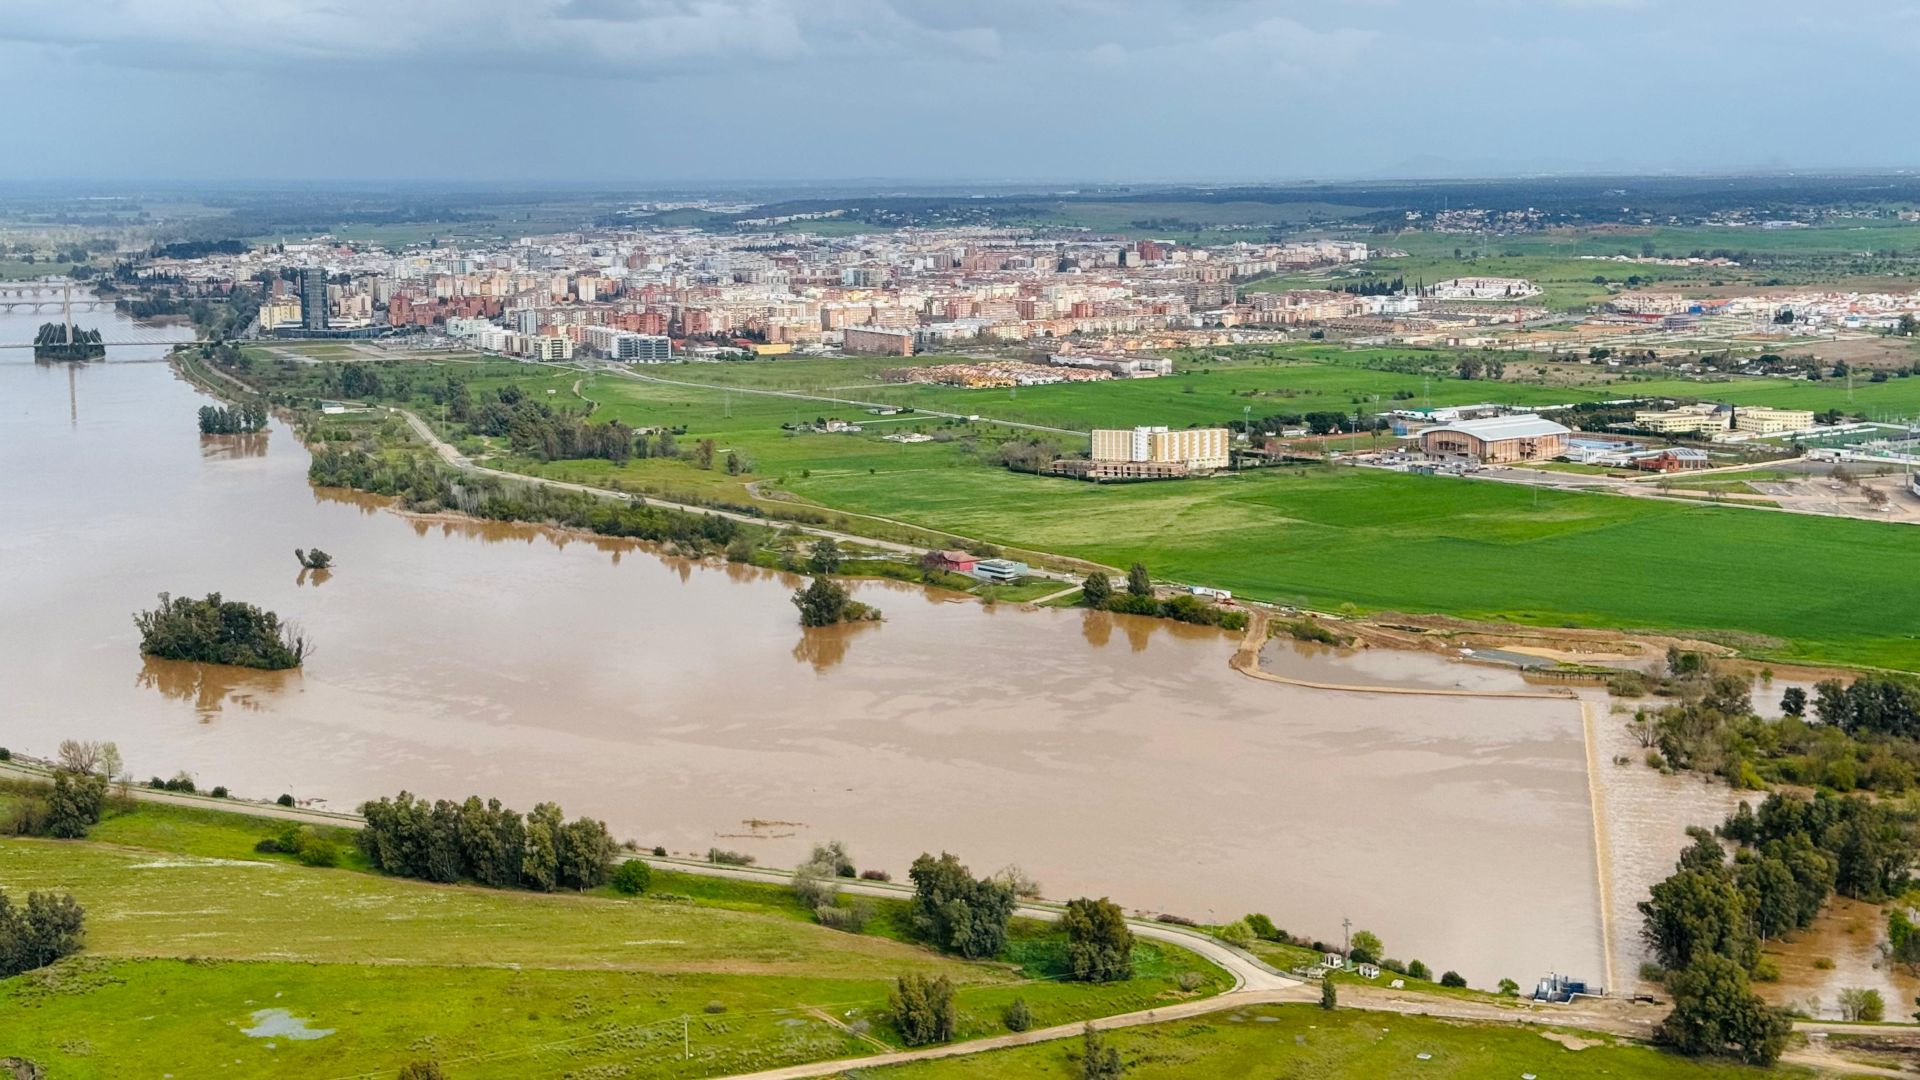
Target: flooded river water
(681,702)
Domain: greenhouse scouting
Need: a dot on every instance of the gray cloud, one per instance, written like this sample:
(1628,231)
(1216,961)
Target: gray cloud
(638,90)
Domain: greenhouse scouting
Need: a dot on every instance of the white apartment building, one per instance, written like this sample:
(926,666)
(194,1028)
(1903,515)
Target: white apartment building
(555,347)
(1196,448)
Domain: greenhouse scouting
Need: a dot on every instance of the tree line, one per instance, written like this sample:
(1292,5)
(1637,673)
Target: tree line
(485,843)
(1863,735)
(1139,599)
(1706,921)
(537,429)
(429,488)
(242,419)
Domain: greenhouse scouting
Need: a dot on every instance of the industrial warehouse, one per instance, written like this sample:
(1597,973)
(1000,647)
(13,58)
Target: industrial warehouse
(1497,440)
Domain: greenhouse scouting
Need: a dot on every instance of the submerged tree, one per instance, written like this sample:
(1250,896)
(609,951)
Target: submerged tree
(217,631)
(313,560)
(825,602)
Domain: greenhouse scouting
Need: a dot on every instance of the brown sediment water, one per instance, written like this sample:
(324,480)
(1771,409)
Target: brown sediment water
(1845,948)
(1644,817)
(679,700)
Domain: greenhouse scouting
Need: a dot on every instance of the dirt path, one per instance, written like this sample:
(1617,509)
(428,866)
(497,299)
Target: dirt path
(452,456)
(1178,1011)
(1255,981)
(1246,661)
(1601,855)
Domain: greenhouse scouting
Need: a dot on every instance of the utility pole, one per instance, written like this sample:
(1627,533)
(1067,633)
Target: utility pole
(686,1038)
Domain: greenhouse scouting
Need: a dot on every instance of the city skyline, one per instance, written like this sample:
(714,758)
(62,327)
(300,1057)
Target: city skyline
(659,92)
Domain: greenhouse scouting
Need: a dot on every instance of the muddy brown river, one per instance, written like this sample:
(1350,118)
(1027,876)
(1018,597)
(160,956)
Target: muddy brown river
(681,702)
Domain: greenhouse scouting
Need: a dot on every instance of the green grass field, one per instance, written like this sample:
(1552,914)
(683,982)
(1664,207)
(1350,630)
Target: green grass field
(1387,541)
(1302,1042)
(1378,541)
(1553,260)
(191,933)
(1896,397)
(1297,381)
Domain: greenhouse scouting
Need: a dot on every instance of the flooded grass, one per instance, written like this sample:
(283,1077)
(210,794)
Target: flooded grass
(1302,1042)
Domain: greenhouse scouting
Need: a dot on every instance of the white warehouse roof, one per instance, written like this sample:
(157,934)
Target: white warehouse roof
(1494,429)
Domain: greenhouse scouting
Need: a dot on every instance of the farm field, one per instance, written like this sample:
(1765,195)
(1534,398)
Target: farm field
(1897,397)
(190,941)
(1298,1042)
(1393,542)
(1204,392)
(1380,542)
(1553,260)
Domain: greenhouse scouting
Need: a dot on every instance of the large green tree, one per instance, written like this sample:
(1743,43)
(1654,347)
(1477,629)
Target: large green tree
(1097,589)
(922,1009)
(50,926)
(1698,913)
(1715,1011)
(956,912)
(1099,943)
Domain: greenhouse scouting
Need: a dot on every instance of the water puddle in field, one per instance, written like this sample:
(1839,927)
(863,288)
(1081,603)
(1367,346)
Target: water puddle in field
(281,1024)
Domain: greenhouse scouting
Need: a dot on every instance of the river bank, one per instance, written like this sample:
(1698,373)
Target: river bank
(682,703)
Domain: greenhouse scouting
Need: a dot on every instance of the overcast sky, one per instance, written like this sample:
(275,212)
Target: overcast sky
(663,91)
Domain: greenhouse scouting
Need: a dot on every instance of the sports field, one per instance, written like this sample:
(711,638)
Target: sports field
(192,938)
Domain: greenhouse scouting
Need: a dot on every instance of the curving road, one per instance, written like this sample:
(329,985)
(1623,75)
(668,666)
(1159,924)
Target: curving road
(452,456)
(1255,981)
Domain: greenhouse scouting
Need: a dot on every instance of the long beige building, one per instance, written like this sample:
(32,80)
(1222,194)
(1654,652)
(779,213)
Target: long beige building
(1709,418)
(1198,449)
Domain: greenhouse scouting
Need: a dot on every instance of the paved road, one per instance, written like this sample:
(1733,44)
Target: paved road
(17,770)
(1248,972)
(452,456)
(1255,982)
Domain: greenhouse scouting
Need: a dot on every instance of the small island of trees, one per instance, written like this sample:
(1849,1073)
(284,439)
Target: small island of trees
(242,419)
(216,631)
(314,559)
(51,343)
(826,603)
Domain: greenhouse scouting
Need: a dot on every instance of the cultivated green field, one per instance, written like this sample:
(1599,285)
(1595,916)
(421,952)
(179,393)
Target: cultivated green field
(1394,542)
(1897,397)
(1553,260)
(1302,1042)
(1381,542)
(191,935)
(1298,380)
